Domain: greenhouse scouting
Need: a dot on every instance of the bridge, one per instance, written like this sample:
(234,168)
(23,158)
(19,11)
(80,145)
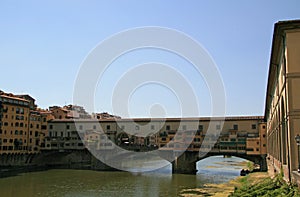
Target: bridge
(181,141)
(185,148)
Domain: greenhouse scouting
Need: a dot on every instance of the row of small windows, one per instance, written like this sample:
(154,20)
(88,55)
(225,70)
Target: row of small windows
(18,117)
(17,124)
(21,117)
(19,132)
(15,141)
(168,127)
(61,134)
(13,101)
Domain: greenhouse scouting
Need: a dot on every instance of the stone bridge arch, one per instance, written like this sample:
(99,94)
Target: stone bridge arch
(185,163)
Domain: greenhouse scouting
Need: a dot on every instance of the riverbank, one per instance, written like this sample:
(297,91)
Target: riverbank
(254,184)
(218,189)
(225,189)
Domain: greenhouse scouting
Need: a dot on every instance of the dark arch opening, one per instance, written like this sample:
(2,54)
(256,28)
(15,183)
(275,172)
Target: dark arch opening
(123,139)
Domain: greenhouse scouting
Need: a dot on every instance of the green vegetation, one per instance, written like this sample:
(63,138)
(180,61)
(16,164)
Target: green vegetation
(264,187)
(250,165)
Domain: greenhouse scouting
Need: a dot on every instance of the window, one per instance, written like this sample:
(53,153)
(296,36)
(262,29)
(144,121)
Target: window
(68,126)
(16,132)
(152,127)
(235,127)
(37,126)
(254,126)
(36,134)
(218,127)
(200,127)
(108,127)
(263,126)
(94,127)
(168,127)
(264,135)
(61,134)
(80,127)
(51,126)
(257,149)
(257,143)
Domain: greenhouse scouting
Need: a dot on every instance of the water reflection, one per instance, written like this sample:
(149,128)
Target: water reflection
(94,183)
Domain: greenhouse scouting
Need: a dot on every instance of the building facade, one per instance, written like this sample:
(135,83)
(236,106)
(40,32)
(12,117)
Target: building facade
(239,135)
(282,107)
(15,114)
(22,125)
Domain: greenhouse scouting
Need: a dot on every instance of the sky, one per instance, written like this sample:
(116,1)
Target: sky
(43,45)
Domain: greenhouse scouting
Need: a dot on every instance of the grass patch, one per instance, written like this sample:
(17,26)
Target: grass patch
(249,186)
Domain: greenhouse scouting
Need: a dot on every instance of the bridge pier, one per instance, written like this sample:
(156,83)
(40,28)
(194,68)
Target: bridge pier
(185,163)
(263,164)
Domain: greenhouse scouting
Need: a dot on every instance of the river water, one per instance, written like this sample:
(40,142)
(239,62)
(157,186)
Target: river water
(81,183)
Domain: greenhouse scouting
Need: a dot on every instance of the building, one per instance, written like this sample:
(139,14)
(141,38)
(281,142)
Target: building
(104,115)
(38,129)
(282,107)
(242,135)
(22,125)
(15,114)
(69,112)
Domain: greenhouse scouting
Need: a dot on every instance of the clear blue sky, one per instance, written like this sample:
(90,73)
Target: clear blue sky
(43,43)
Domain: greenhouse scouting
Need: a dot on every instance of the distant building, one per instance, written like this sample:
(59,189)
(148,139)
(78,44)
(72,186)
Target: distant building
(69,112)
(282,109)
(104,115)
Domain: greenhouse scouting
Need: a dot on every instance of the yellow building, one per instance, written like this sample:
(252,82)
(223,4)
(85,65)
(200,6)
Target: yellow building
(23,127)
(14,124)
(243,135)
(282,108)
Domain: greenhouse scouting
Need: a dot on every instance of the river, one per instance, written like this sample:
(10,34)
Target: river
(79,183)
